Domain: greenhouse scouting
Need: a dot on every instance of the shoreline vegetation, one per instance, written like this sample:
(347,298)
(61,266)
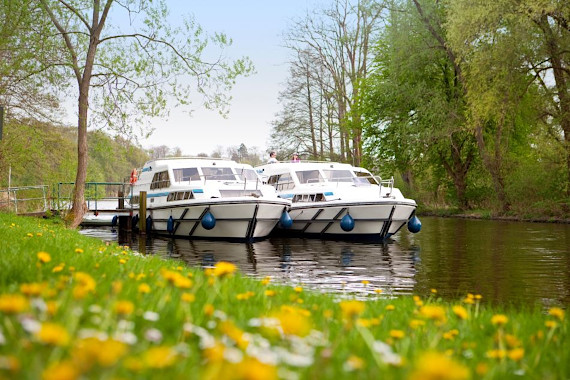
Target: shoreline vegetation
(490,215)
(74,307)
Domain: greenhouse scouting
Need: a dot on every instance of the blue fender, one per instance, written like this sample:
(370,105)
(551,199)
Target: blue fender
(347,223)
(285,221)
(414,224)
(148,224)
(170,225)
(114,220)
(208,221)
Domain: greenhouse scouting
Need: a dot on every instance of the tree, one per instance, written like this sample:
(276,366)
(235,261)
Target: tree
(515,50)
(415,104)
(340,38)
(25,42)
(125,77)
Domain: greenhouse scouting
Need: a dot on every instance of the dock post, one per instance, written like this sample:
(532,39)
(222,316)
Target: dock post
(121,197)
(142,213)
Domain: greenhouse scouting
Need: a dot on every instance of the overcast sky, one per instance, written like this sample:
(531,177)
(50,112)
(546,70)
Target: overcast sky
(256,27)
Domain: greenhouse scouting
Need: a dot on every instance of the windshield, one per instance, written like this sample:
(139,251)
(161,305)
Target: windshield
(248,174)
(338,175)
(218,174)
(309,176)
(186,174)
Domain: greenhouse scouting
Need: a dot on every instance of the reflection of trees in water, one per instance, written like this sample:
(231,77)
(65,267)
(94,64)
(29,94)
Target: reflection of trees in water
(326,265)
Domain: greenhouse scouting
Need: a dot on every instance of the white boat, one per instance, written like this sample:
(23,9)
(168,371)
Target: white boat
(206,198)
(336,200)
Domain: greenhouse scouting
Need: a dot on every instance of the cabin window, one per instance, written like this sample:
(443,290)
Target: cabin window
(338,175)
(247,174)
(186,175)
(281,181)
(365,178)
(218,174)
(160,180)
(179,195)
(319,197)
(309,176)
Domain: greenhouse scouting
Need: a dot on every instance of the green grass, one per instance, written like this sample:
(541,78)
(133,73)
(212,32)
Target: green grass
(100,311)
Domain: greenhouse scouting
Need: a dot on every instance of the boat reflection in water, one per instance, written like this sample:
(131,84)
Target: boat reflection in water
(329,266)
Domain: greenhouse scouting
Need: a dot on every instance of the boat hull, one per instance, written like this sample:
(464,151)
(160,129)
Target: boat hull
(235,220)
(372,220)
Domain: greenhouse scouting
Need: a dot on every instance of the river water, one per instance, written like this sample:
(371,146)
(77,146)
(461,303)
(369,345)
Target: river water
(506,262)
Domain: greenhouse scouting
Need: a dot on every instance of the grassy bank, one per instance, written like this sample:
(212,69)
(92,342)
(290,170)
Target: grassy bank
(73,307)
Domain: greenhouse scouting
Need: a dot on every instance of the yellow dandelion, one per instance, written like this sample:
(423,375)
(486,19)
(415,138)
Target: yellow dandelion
(188,297)
(117,286)
(496,354)
(460,312)
(390,307)
(13,303)
(512,341)
(245,296)
(328,314)
(51,307)
(53,334)
(435,365)
(556,312)
(159,357)
(252,369)
(365,282)
(144,288)
(436,313)
(266,280)
(44,257)
(270,293)
(499,319)
(33,289)
(351,309)
(433,291)
(417,323)
(58,268)
(353,363)
(124,307)
(209,309)
(122,261)
(378,291)
(61,371)
(516,354)
(551,324)
(298,289)
(397,334)
(78,250)
(223,269)
(451,334)
(29,234)
(294,320)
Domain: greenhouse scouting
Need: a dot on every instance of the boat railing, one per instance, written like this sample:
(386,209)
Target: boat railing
(389,183)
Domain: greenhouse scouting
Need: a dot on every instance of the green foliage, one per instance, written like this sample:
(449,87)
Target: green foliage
(43,154)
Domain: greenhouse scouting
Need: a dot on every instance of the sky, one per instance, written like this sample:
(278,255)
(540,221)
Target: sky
(256,28)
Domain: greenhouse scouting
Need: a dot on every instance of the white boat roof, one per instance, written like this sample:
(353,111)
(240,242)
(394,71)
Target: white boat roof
(184,162)
(285,166)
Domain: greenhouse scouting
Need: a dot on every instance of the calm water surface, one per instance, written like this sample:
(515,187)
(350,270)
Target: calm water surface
(506,262)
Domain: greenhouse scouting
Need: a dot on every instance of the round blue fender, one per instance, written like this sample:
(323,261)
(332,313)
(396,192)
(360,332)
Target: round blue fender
(170,225)
(414,224)
(286,221)
(208,221)
(114,220)
(135,221)
(347,223)
(148,224)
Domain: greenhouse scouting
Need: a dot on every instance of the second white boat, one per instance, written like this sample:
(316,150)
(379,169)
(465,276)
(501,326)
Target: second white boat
(336,200)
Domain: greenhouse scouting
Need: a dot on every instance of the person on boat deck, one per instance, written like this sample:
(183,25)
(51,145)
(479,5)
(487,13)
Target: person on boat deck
(272,158)
(295,158)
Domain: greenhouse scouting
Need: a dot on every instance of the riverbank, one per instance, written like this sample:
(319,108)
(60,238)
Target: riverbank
(490,215)
(72,306)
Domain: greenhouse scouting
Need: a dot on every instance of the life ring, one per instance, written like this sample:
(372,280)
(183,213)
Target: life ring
(134,176)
